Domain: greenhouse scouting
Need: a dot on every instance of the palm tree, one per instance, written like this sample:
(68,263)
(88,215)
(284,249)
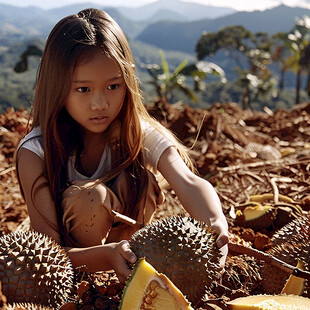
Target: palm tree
(298,43)
(166,82)
(241,44)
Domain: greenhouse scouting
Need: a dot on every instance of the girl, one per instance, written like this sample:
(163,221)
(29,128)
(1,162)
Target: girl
(85,166)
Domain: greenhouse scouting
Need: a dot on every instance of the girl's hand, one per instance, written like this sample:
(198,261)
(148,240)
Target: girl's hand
(222,240)
(121,254)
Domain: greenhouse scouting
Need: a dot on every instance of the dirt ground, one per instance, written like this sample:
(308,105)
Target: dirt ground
(242,153)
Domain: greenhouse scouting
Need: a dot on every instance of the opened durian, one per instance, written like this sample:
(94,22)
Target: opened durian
(255,215)
(291,244)
(148,289)
(184,250)
(34,268)
(270,302)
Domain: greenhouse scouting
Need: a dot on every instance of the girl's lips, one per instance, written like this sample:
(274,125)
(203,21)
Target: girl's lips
(99,119)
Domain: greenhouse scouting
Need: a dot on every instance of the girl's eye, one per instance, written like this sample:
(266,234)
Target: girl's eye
(83,89)
(113,86)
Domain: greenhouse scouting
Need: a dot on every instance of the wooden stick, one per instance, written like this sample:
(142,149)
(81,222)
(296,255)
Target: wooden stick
(241,249)
(127,220)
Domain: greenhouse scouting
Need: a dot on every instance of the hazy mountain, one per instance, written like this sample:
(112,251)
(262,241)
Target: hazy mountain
(18,23)
(25,23)
(22,23)
(183,36)
(165,14)
(170,31)
(189,10)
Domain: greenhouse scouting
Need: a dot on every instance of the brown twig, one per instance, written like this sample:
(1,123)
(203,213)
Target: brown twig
(241,249)
(275,187)
(3,172)
(126,219)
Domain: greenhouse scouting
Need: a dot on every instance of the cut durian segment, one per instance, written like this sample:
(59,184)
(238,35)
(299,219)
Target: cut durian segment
(270,302)
(183,249)
(257,211)
(295,285)
(148,289)
(287,209)
(255,215)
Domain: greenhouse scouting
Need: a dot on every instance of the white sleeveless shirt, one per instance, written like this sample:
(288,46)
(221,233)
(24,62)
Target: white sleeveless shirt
(154,144)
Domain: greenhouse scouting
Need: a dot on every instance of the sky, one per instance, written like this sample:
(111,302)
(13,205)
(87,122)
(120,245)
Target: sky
(240,5)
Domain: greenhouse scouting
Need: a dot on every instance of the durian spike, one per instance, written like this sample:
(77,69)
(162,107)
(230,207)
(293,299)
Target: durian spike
(240,249)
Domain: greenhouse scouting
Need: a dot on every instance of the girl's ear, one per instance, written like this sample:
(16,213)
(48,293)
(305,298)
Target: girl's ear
(133,66)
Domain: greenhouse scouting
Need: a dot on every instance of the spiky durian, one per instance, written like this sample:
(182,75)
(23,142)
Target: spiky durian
(290,244)
(297,230)
(184,250)
(26,306)
(34,268)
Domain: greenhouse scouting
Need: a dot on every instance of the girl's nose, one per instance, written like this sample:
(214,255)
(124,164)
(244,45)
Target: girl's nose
(99,102)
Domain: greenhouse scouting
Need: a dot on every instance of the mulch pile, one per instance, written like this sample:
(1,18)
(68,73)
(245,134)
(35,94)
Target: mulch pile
(242,153)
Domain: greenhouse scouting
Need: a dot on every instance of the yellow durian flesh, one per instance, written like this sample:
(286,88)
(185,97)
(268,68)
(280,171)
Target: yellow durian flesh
(270,302)
(148,289)
(254,212)
(295,285)
(263,198)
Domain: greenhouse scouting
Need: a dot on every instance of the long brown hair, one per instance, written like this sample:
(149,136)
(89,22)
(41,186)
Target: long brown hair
(62,136)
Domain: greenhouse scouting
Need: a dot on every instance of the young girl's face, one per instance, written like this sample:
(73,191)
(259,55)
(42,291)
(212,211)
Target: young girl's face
(97,92)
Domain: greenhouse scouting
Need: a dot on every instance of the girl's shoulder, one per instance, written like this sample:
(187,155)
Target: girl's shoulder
(33,141)
(154,144)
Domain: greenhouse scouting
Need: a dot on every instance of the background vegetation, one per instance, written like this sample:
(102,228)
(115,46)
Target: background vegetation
(257,59)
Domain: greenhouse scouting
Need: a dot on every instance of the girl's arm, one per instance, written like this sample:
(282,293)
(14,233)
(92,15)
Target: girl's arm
(197,195)
(42,213)
(110,256)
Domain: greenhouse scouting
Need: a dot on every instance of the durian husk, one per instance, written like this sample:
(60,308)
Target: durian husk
(273,279)
(184,250)
(295,231)
(242,273)
(270,302)
(287,209)
(290,244)
(255,215)
(26,306)
(271,211)
(34,269)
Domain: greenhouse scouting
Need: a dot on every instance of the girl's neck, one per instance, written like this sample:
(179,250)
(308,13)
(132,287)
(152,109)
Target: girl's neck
(88,159)
(93,142)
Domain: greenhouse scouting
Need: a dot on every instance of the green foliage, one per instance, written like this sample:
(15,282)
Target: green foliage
(167,82)
(178,76)
(256,80)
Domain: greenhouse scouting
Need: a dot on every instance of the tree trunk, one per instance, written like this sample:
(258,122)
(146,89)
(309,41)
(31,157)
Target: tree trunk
(298,83)
(281,82)
(246,98)
(308,84)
